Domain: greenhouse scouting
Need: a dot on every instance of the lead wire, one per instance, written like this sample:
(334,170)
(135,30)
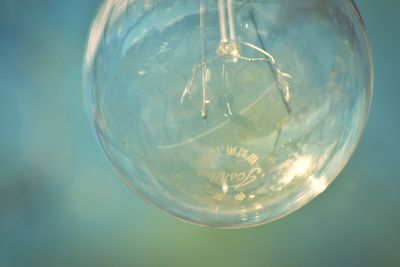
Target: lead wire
(232,33)
(222,20)
(204,110)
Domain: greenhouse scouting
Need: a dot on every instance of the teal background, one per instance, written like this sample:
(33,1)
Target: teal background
(62,204)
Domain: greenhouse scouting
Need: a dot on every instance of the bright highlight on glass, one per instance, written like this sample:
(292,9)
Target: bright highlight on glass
(228,113)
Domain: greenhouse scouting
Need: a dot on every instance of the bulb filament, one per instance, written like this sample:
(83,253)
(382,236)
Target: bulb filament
(228,48)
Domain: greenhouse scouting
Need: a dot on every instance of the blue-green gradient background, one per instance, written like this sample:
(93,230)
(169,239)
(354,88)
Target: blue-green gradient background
(61,203)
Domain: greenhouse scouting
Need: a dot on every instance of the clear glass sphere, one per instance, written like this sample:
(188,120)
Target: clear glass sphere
(228,113)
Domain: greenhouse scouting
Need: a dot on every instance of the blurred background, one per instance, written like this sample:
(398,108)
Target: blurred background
(62,204)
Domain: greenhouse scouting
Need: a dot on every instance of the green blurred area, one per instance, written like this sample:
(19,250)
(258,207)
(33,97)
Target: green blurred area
(62,204)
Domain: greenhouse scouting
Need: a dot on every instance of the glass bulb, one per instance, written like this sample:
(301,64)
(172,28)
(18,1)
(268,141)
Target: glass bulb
(228,113)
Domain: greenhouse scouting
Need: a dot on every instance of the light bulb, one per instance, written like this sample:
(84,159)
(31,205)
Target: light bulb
(228,113)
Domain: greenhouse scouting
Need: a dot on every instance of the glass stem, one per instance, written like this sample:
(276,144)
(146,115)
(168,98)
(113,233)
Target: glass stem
(222,20)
